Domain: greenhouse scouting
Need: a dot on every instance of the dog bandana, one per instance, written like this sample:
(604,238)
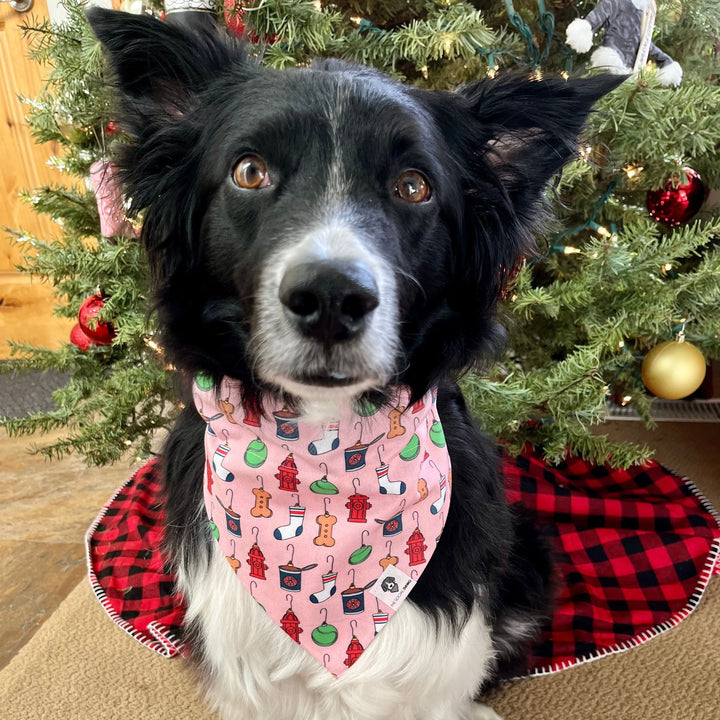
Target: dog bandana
(327,526)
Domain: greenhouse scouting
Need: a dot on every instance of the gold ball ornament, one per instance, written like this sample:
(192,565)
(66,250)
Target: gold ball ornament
(673,370)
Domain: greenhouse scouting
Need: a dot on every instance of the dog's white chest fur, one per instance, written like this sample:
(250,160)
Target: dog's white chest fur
(415,669)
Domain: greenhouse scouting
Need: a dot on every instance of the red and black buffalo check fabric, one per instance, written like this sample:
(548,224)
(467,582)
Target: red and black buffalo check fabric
(126,566)
(635,549)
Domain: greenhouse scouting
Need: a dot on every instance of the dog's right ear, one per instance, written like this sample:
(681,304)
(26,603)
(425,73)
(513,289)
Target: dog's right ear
(160,69)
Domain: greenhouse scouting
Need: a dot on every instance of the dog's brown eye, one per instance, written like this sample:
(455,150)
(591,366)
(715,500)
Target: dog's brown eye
(413,187)
(250,173)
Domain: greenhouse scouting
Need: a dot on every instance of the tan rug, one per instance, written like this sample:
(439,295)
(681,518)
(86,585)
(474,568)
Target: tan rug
(79,665)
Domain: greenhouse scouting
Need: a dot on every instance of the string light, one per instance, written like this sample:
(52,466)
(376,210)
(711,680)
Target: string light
(537,75)
(621,344)
(492,72)
(356,19)
(317,5)
(632,171)
(424,71)
(565,75)
(626,399)
(570,250)
(585,152)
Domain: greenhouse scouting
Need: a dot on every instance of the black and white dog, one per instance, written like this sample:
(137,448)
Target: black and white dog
(321,234)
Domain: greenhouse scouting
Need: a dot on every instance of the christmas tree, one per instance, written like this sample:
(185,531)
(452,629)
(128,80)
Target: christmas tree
(627,264)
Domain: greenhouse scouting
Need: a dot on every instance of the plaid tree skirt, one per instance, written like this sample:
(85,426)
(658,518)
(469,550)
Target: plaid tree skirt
(635,551)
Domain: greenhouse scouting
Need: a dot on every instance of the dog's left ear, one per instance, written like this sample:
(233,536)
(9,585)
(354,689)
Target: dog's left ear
(526,130)
(507,137)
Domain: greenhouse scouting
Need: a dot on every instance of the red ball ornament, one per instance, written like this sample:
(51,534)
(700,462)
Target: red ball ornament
(101,333)
(676,204)
(234,19)
(79,338)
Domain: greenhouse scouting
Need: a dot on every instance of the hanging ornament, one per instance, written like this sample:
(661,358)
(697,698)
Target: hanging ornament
(357,504)
(67,126)
(256,559)
(214,529)
(287,474)
(627,40)
(325,634)
(416,546)
(677,202)
(362,553)
(195,15)
(113,220)
(100,333)
(354,649)
(256,453)
(673,369)
(323,486)
(234,17)
(235,20)
(436,433)
(290,623)
(79,338)
(204,382)
(234,562)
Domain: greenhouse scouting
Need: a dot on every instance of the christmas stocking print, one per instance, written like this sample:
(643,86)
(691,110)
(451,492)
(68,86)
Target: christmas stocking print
(329,441)
(218,457)
(438,504)
(328,588)
(388,487)
(294,527)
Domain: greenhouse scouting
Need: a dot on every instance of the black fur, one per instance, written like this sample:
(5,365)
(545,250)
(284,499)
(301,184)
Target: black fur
(195,104)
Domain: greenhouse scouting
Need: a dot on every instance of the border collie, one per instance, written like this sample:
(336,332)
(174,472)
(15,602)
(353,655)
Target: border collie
(319,237)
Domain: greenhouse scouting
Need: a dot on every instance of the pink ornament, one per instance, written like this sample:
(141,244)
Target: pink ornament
(113,222)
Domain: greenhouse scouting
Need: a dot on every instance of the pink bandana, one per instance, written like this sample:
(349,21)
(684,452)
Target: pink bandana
(327,526)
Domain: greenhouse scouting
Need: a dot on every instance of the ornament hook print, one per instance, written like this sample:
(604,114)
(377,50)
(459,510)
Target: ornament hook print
(323,486)
(232,518)
(234,562)
(325,634)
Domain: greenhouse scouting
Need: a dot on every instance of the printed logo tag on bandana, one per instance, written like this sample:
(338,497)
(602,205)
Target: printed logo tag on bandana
(393,586)
(327,526)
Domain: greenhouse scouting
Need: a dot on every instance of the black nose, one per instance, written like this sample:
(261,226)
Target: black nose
(329,301)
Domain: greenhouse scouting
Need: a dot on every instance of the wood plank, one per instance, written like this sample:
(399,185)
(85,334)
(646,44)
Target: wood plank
(26,309)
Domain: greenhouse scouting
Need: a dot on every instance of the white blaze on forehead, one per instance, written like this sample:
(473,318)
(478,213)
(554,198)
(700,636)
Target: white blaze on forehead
(337,184)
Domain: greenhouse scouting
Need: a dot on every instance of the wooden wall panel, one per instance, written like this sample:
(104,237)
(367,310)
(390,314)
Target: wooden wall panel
(25,305)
